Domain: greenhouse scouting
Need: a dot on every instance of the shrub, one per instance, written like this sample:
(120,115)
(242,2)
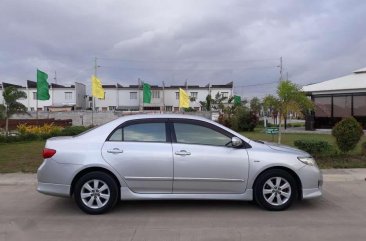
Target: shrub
(244,120)
(348,133)
(45,130)
(73,130)
(363,147)
(225,120)
(314,147)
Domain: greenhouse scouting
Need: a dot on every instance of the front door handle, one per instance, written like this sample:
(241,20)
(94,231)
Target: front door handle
(115,151)
(182,153)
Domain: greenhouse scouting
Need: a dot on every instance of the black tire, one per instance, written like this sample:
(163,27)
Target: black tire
(260,184)
(112,191)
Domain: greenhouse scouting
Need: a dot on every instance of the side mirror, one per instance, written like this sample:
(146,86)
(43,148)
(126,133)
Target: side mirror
(236,142)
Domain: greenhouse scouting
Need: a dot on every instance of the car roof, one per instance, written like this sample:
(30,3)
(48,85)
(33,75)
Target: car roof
(172,116)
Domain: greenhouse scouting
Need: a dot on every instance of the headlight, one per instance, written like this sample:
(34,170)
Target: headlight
(307,160)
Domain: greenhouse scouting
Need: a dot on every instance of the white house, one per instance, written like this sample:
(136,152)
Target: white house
(61,97)
(338,98)
(163,98)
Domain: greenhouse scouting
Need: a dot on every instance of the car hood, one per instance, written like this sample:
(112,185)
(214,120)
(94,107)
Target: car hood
(286,149)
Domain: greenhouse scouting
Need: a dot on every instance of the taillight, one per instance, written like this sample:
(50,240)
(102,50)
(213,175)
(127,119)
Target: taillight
(48,153)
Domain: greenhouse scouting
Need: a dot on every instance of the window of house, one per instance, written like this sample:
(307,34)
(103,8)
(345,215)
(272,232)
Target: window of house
(177,95)
(323,106)
(133,95)
(155,94)
(197,134)
(34,95)
(168,108)
(342,106)
(359,105)
(194,95)
(111,107)
(225,94)
(68,95)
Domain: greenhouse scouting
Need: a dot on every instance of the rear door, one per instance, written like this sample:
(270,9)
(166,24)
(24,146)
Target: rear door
(141,152)
(205,161)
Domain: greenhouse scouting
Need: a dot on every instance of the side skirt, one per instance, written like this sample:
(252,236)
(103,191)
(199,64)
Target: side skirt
(127,194)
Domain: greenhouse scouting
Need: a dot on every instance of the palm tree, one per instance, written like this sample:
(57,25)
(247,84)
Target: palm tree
(290,98)
(11,105)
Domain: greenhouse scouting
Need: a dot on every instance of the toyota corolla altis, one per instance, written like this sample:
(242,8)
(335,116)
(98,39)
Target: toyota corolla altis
(174,157)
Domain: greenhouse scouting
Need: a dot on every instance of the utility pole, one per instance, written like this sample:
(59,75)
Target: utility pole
(281,68)
(55,78)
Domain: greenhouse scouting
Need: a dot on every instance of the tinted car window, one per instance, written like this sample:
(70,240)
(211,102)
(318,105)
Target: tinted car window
(117,135)
(145,132)
(196,134)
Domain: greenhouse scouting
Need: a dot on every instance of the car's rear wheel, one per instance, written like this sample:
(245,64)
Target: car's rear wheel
(96,192)
(275,190)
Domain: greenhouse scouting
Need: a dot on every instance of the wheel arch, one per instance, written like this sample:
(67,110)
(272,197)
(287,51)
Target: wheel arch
(93,169)
(290,171)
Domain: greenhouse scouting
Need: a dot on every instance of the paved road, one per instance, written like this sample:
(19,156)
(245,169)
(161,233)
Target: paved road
(339,215)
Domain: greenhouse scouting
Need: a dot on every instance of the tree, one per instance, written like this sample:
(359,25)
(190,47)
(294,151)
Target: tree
(271,104)
(217,103)
(206,105)
(256,105)
(11,105)
(289,98)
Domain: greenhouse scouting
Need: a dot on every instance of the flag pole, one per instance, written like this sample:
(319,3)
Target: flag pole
(37,98)
(93,100)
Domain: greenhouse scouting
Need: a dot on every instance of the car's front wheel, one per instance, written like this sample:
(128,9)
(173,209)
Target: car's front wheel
(275,190)
(96,192)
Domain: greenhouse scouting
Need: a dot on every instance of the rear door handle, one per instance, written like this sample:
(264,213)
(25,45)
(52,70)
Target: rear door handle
(182,153)
(115,151)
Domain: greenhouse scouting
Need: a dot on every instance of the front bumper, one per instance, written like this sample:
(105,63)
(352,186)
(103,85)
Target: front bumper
(311,193)
(312,182)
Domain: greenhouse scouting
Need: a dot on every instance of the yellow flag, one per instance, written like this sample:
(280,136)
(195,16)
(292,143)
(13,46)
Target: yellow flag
(97,89)
(183,99)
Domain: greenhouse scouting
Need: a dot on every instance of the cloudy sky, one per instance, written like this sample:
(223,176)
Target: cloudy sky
(201,41)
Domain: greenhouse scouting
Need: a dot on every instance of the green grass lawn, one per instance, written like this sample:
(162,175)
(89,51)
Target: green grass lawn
(27,156)
(21,156)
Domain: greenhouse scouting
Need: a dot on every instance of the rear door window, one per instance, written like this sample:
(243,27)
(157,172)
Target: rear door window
(140,132)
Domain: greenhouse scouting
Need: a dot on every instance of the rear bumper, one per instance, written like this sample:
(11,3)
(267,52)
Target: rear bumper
(52,189)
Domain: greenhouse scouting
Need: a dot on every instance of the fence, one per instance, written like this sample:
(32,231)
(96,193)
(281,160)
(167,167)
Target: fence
(87,118)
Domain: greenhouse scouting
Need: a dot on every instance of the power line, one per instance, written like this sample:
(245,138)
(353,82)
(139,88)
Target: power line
(192,69)
(253,85)
(188,61)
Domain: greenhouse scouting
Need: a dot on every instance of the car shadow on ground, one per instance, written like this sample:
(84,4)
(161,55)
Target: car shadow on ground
(67,206)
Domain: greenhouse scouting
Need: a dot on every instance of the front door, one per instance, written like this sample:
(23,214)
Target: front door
(205,161)
(142,155)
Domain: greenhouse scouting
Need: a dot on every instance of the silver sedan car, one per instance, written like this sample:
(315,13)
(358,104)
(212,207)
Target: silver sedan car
(144,157)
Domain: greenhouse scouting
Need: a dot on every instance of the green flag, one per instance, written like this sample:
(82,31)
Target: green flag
(42,86)
(147,93)
(237,100)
